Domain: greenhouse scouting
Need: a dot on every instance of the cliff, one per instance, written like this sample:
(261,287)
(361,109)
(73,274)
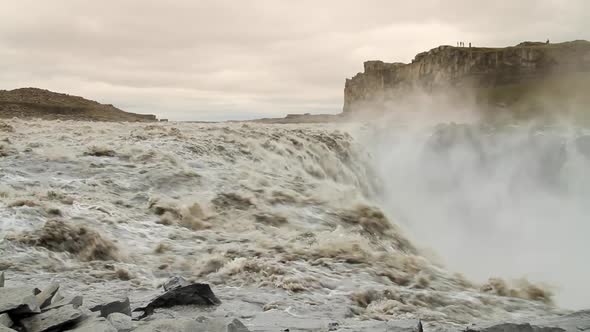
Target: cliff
(45,104)
(499,76)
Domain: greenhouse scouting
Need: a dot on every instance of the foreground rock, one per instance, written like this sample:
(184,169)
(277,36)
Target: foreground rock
(107,305)
(44,298)
(121,322)
(94,324)
(19,301)
(52,319)
(5,320)
(193,294)
(172,325)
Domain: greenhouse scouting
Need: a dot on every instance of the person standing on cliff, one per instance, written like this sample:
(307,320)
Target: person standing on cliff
(469,45)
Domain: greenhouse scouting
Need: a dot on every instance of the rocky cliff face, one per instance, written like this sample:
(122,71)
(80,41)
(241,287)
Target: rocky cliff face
(45,104)
(464,68)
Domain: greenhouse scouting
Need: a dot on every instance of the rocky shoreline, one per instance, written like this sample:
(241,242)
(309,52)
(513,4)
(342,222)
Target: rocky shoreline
(52,309)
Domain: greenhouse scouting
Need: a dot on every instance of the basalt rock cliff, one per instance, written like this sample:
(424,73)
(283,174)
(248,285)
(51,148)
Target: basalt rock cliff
(45,104)
(503,77)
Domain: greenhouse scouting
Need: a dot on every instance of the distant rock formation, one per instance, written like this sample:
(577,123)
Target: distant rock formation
(45,104)
(499,76)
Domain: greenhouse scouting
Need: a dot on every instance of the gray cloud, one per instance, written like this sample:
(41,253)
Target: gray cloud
(239,59)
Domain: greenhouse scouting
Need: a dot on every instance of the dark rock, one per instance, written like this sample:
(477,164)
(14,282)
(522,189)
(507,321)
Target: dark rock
(236,326)
(175,282)
(44,298)
(5,320)
(194,294)
(121,322)
(52,319)
(19,301)
(172,325)
(334,326)
(108,305)
(75,301)
(1,279)
(94,324)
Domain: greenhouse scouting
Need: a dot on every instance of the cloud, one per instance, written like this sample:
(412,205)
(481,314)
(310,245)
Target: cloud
(213,59)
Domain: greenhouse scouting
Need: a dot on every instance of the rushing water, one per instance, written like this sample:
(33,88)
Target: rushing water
(304,222)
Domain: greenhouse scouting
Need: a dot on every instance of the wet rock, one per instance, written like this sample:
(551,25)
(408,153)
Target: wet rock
(19,301)
(94,324)
(175,282)
(194,294)
(5,320)
(52,319)
(121,322)
(44,298)
(236,326)
(172,325)
(75,301)
(108,305)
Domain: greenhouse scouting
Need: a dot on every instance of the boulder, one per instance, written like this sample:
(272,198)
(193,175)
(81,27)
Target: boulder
(172,325)
(236,326)
(94,324)
(121,322)
(193,294)
(52,319)
(175,282)
(44,298)
(19,301)
(6,329)
(107,305)
(5,320)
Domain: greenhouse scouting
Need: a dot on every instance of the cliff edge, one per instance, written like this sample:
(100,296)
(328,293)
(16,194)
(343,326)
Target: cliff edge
(45,104)
(494,76)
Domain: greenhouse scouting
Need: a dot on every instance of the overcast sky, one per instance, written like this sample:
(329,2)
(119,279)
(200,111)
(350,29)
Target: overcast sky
(210,60)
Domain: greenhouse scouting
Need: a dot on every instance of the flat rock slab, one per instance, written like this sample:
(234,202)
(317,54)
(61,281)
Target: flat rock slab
(94,324)
(193,294)
(18,301)
(75,301)
(107,305)
(52,319)
(172,325)
(44,298)
(121,322)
